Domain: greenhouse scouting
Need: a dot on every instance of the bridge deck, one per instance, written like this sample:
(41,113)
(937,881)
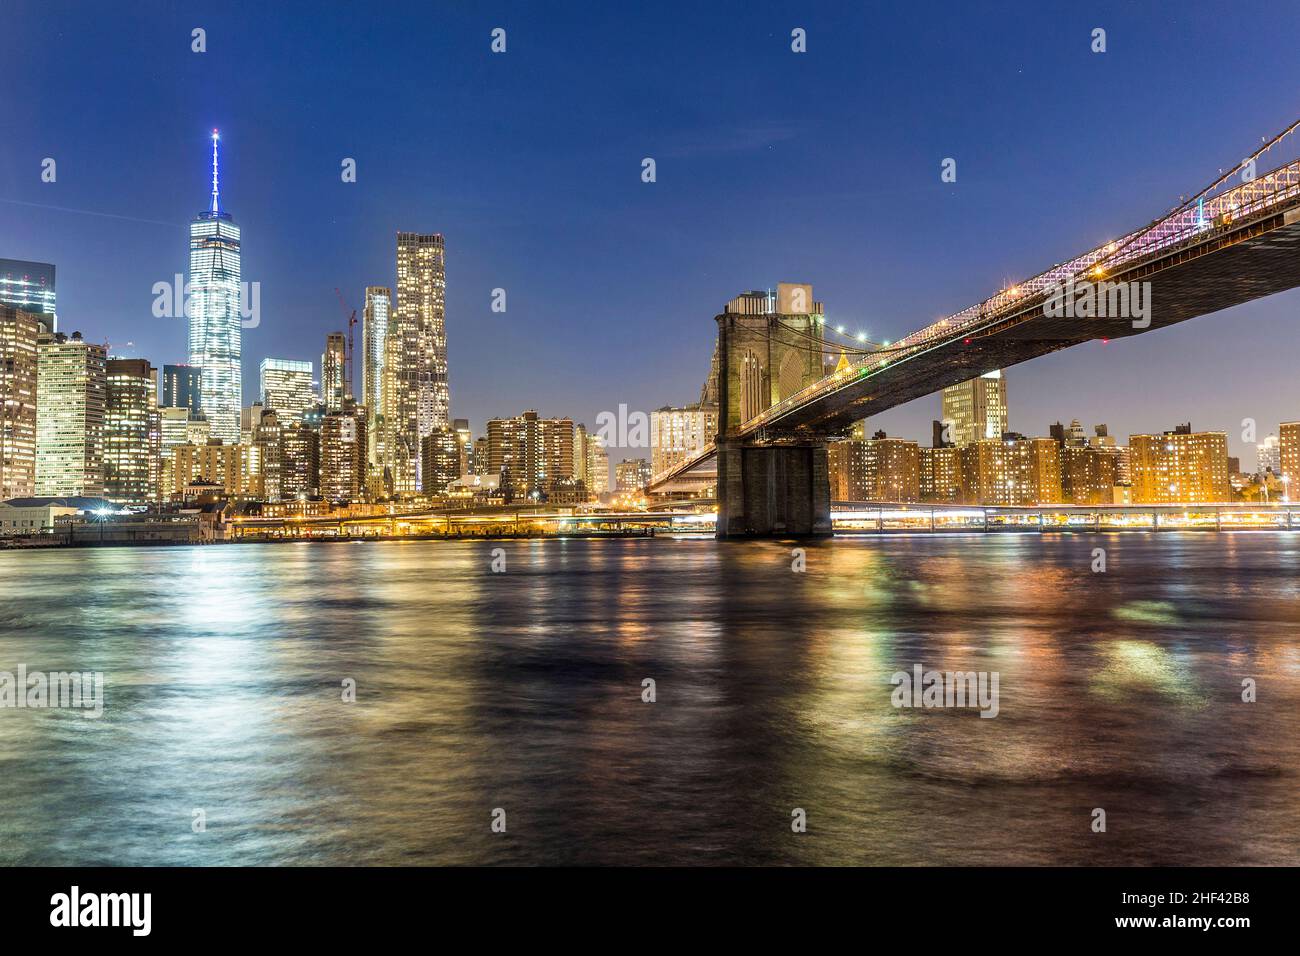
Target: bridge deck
(1237,266)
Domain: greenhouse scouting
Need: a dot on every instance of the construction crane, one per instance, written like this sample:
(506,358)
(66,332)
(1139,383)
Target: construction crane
(348,359)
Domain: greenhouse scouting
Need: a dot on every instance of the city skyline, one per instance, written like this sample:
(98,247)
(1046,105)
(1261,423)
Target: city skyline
(580,364)
(757,436)
(407,366)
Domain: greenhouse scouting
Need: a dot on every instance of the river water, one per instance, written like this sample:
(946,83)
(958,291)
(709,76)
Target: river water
(521,691)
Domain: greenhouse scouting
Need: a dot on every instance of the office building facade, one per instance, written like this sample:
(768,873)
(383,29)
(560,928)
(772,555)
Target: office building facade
(1180,466)
(299,461)
(70,407)
(976,409)
(631,475)
(374,335)
(1011,471)
(20,333)
(530,452)
(286,388)
(441,452)
(333,374)
(1289,456)
(678,433)
(597,472)
(29,286)
(343,456)
(132,432)
(182,387)
(941,475)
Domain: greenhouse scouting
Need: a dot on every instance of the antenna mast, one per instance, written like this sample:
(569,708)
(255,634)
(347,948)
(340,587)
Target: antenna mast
(215,191)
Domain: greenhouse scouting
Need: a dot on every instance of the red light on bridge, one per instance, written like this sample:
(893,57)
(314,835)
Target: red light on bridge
(968,341)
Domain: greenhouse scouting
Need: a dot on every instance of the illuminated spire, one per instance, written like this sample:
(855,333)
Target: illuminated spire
(215,191)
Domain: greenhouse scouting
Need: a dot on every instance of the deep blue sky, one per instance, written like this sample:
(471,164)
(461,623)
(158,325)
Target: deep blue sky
(821,167)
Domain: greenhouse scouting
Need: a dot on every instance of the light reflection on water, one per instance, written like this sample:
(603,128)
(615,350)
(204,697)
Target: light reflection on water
(523,691)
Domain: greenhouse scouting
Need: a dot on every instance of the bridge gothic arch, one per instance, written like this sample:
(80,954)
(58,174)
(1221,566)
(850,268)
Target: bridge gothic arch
(753,385)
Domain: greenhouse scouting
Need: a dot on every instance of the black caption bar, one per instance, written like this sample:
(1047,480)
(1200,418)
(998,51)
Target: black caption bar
(134,905)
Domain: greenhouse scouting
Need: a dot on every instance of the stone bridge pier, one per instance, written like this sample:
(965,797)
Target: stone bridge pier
(767,351)
(773,490)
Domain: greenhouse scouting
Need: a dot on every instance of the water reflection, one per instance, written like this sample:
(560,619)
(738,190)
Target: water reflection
(522,690)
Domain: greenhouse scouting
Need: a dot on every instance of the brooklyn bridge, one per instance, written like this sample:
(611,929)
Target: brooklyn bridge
(780,402)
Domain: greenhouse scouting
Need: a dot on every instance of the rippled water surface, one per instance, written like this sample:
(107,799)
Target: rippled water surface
(523,691)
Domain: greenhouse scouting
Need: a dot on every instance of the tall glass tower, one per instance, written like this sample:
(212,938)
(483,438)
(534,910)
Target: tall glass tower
(374,339)
(417,359)
(213,309)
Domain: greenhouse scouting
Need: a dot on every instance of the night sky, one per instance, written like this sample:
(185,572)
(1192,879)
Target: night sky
(772,166)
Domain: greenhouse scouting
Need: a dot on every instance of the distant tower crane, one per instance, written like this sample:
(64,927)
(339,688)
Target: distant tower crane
(348,359)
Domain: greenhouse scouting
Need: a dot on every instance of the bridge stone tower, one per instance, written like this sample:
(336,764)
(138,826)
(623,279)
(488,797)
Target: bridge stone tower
(773,484)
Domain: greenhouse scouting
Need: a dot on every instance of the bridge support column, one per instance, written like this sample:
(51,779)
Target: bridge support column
(773,490)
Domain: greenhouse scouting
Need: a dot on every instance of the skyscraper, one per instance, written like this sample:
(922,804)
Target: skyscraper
(19,335)
(182,388)
(29,286)
(132,432)
(286,388)
(333,377)
(215,346)
(70,417)
(976,409)
(416,357)
(374,333)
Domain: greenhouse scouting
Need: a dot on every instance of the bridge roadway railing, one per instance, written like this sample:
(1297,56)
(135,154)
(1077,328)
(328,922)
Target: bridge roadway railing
(1184,225)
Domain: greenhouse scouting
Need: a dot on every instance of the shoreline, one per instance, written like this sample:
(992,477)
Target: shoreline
(27,545)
